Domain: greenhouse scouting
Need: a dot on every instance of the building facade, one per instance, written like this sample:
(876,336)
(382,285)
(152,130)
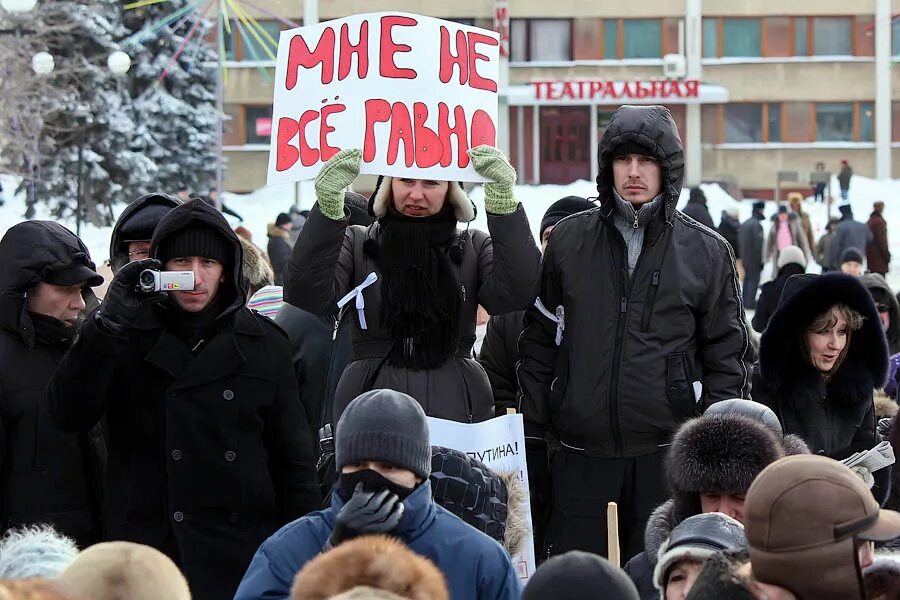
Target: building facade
(782,86)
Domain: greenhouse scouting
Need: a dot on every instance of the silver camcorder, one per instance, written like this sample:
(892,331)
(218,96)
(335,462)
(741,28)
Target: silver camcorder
(165,281)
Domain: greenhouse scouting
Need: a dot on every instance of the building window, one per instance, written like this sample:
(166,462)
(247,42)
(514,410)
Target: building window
(232,126)
(833,36)
(611,38)
(258,121)
(243,43)
(796,121)
(540,40)
(741,37)
(774,122)
(710,38)
(866,122)
(743,123)
(801,36)
(895,36)
(789,122)
(834,122)
(777,36)
(642,38)
(636,38)
(229,43)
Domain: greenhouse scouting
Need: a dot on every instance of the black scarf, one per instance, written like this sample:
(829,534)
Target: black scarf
(50,331)
(419,288)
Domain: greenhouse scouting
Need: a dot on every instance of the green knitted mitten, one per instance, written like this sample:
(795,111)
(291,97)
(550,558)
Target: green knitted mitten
(498,193)
(339,172)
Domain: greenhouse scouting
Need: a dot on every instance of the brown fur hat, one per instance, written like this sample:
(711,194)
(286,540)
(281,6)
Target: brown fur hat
(31,589)
(256,268)
(124,571)
(370,561)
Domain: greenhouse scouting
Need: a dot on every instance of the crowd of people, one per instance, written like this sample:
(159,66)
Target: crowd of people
(262,432)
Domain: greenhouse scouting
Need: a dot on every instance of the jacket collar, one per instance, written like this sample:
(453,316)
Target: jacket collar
(419,511)
(641,215)
(222,354)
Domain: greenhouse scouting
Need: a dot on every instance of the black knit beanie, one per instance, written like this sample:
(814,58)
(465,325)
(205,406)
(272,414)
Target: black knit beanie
(196,239)
(632,147)
(561,209)
(852,254)
(577,575)
(385,426)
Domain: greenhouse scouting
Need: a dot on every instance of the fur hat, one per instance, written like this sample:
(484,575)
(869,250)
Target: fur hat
(717,453)
(463,207)
(256,269)
(114,570)
(791,255)
(882,578)
(36,551)
(376,562)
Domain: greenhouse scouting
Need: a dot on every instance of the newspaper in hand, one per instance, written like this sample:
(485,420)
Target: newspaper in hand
(866,463)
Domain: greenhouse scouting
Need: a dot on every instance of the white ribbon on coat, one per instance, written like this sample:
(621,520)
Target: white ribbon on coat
(559,318)
(357,293)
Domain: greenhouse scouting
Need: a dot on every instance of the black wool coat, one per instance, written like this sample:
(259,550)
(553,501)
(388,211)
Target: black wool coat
(209,451)
(46,475)
(837,417)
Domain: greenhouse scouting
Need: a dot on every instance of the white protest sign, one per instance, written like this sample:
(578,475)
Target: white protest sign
(500,444)
(412,92)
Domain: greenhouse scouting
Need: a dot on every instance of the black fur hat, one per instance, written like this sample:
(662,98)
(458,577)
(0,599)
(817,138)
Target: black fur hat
(717,453)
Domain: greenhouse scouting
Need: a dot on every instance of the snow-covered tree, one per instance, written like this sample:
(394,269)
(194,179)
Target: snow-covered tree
(175,96)
(86,131)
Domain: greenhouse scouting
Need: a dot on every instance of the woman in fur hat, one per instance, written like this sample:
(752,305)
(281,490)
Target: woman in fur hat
(414,281)
(711,463)
(820,359)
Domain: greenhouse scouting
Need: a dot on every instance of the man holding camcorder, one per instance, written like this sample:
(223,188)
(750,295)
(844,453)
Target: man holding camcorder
(209,449)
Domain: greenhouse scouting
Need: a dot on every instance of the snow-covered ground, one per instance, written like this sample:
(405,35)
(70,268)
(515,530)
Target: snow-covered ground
(260,208)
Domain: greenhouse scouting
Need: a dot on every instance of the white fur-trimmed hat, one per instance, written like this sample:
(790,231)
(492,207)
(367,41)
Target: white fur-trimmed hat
(463,207)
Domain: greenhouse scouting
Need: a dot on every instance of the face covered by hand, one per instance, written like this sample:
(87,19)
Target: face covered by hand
(372,482)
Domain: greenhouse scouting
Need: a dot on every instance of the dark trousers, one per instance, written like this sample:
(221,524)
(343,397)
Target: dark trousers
(582,488)
(751,285)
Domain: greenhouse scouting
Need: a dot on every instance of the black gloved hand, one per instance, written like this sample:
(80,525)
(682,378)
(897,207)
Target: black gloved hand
(366,512)
(123,302)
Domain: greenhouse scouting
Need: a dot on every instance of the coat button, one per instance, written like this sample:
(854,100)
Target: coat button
(230,456)
(228,395)
(178,516)
(176,454)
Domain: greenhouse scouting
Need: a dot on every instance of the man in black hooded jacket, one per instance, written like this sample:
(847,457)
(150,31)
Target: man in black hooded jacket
(46,475)
(209,449)
(638,326)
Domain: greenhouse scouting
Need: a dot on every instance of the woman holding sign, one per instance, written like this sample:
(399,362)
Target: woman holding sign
(414,282)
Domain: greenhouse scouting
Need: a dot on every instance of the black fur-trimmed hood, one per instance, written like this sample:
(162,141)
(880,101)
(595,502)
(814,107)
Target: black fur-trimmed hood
(786,370)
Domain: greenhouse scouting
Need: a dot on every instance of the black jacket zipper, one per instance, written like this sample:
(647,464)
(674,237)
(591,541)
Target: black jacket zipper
(648,305)
(621,323)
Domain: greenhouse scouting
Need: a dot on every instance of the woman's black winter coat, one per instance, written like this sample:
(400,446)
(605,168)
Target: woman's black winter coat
(837,417)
